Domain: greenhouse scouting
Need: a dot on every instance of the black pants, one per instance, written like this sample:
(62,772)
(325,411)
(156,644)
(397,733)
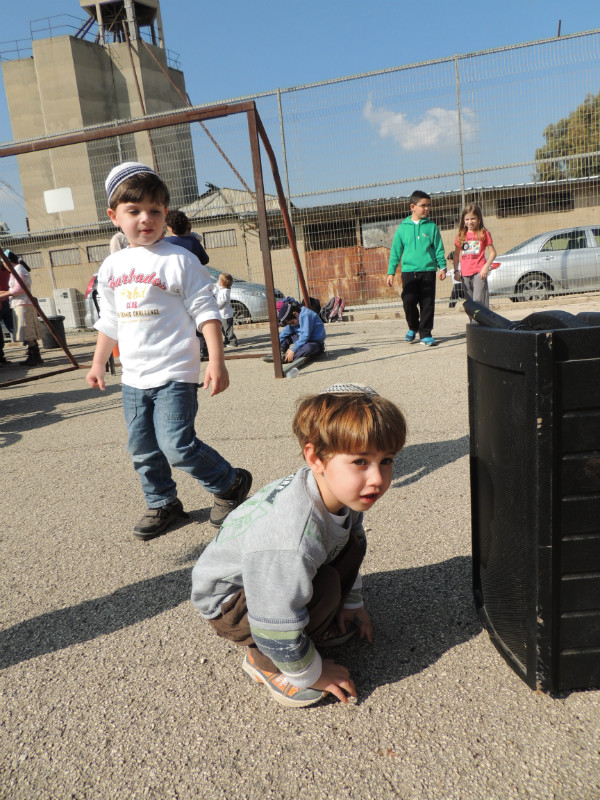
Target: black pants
(418,298)
(229,336)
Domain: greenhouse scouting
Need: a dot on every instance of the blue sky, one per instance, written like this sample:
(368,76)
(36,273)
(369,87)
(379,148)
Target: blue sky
(233,49)
(236,48)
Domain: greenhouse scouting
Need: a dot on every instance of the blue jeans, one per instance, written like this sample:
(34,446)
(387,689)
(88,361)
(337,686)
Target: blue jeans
(160,426)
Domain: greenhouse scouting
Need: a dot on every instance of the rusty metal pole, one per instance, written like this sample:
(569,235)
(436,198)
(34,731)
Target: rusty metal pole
(284,210)
(263,231)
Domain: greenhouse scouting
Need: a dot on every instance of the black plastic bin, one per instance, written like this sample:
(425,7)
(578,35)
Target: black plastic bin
(48,341)
(534,418)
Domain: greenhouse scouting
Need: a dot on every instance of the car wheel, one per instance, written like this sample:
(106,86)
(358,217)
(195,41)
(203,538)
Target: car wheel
(534,286)
(240,312)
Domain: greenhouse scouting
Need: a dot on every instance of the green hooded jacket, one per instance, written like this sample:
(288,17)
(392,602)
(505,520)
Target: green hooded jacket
(418,246)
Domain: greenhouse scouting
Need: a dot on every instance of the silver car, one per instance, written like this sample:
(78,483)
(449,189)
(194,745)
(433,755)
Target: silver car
(556,262)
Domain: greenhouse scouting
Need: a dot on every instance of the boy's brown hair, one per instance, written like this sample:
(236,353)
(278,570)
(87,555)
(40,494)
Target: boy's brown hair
(349,423)
(143,186)
(226,279)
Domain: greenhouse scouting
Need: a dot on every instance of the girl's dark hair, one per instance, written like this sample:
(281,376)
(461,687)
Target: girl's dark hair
(14,259)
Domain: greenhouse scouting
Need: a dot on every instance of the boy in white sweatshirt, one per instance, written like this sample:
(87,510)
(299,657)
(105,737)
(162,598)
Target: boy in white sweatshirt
(154,296)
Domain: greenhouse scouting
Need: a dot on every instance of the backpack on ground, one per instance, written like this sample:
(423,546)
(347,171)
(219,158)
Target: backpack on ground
(332,311)
(314,305)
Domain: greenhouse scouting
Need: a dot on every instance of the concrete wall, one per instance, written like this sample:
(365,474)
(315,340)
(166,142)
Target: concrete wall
(70,83)
(355,272)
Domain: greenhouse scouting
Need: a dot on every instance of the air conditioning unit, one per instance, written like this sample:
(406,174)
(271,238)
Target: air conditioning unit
(48,306)
(70,305)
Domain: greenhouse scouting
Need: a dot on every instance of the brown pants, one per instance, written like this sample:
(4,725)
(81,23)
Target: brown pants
(331,585)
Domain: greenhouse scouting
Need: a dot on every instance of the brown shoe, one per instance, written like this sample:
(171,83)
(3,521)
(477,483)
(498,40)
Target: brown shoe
(226,502)
(156,520)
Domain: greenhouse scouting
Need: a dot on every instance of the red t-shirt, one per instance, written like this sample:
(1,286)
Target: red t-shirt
(472,253)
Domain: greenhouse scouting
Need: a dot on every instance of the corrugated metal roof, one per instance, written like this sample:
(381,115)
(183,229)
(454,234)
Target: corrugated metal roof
(226,202)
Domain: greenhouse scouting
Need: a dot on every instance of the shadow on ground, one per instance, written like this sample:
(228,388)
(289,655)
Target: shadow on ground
(417,460)
(30,412)
(417,613)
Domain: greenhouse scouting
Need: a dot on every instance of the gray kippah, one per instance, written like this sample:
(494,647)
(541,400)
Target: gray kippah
(121,172)
(350,388)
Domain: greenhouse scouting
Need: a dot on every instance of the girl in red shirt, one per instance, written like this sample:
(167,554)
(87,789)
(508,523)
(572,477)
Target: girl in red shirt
(472,245)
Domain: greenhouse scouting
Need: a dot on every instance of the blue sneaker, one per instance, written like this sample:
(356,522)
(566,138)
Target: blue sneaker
(429,341)
(410,336)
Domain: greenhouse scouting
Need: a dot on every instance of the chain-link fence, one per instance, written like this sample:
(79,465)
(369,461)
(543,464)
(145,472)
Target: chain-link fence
(516,130)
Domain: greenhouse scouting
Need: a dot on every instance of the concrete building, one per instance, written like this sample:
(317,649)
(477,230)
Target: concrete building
(70,83)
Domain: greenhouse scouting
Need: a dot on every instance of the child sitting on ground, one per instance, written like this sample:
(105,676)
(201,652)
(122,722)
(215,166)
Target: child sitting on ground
(154,296)
(282,576)
(223,295)
(303,334)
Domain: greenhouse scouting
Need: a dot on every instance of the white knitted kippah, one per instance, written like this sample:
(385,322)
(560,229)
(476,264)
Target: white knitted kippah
(350,388)
(121,172)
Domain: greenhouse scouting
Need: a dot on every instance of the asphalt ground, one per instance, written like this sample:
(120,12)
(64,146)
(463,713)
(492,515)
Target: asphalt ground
(112,686)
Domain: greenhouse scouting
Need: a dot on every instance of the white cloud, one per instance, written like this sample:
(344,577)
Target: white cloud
(436,130)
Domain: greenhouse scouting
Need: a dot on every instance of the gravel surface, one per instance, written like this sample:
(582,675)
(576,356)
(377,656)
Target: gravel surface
(112,686)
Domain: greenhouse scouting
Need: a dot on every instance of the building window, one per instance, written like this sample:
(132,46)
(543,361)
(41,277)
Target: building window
(329,235)
(558,201)
(516,205)
(278,239)
(447,219)
(97,252)
(379,234)
(535,204)
(226,238)
(65,258)
(33,260)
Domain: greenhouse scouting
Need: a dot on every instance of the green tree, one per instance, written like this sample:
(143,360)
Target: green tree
(575,135)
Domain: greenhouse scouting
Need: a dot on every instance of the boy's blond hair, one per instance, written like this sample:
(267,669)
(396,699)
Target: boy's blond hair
(352,422)
(143,186)
(226,280)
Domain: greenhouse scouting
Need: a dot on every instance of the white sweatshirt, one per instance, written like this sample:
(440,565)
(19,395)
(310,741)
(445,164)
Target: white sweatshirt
(152,301)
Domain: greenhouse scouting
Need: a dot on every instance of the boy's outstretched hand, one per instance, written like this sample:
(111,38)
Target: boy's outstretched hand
(336,680)
(216,376)
(358,617)
(104,347)
(95,377)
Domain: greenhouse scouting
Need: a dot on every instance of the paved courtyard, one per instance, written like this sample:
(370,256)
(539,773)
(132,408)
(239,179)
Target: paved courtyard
(112,686)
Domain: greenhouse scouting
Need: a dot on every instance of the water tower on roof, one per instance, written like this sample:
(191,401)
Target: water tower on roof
(114,68)
(117,19)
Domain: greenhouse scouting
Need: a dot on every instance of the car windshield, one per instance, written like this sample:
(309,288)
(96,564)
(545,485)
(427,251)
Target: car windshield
(521,246)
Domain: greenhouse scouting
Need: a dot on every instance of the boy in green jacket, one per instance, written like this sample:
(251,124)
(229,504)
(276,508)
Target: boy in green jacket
(419,248)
